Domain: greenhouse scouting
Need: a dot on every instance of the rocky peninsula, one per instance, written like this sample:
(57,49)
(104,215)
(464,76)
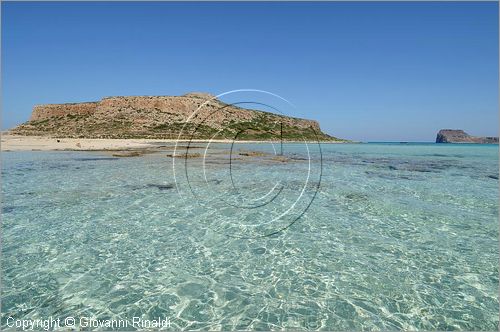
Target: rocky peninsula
(163,117)
(460,136)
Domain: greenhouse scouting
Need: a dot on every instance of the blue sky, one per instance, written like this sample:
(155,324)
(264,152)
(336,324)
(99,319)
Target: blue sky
(366,71)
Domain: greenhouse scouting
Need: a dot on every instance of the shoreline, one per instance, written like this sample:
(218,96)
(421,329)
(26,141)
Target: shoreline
(11,142)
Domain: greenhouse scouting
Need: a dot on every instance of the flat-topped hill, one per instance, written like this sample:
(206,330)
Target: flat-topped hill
(163,117)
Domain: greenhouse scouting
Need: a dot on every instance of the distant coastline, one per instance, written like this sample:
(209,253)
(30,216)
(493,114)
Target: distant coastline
(461,137)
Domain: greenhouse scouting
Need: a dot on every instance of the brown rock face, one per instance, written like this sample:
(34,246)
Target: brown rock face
(41,112)
(460,136)
(164,117)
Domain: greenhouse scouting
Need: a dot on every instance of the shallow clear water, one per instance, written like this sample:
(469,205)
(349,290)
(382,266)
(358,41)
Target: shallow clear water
(396,236)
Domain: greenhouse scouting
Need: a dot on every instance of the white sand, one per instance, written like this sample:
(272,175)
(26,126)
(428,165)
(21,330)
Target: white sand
(37,143)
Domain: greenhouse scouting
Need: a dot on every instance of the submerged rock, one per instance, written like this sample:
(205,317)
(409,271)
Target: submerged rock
(354,196)
(128,153)
(253,153)
(160,186)
(95,159)
(184,155)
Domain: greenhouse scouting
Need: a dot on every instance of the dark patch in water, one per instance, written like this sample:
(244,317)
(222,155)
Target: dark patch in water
(94,159)
(391,176)
(59,166)
(25,166)
(8,209)
(26,193)
(408,177)
(356,197)
(259,251)
(493,176)
(382,175)
(419,169)
(160,186)
(151,185)
(295,156)
(421,166)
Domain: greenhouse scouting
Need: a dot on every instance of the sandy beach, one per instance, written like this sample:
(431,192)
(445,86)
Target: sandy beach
(37,143)
(11,142)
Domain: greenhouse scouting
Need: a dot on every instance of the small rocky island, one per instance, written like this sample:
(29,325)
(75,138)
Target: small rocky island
(163,117)
(460,136)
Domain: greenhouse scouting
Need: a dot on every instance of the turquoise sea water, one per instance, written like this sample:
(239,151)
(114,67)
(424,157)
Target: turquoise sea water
(396,236)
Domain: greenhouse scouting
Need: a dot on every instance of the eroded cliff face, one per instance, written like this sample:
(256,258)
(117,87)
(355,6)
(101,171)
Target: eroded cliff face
(42,112)
(163,117)
(460,136)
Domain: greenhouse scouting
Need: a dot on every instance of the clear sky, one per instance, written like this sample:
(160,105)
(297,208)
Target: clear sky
(366,71)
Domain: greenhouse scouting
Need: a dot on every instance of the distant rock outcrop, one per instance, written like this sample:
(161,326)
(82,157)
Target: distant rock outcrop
(460,136)
(164,117)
